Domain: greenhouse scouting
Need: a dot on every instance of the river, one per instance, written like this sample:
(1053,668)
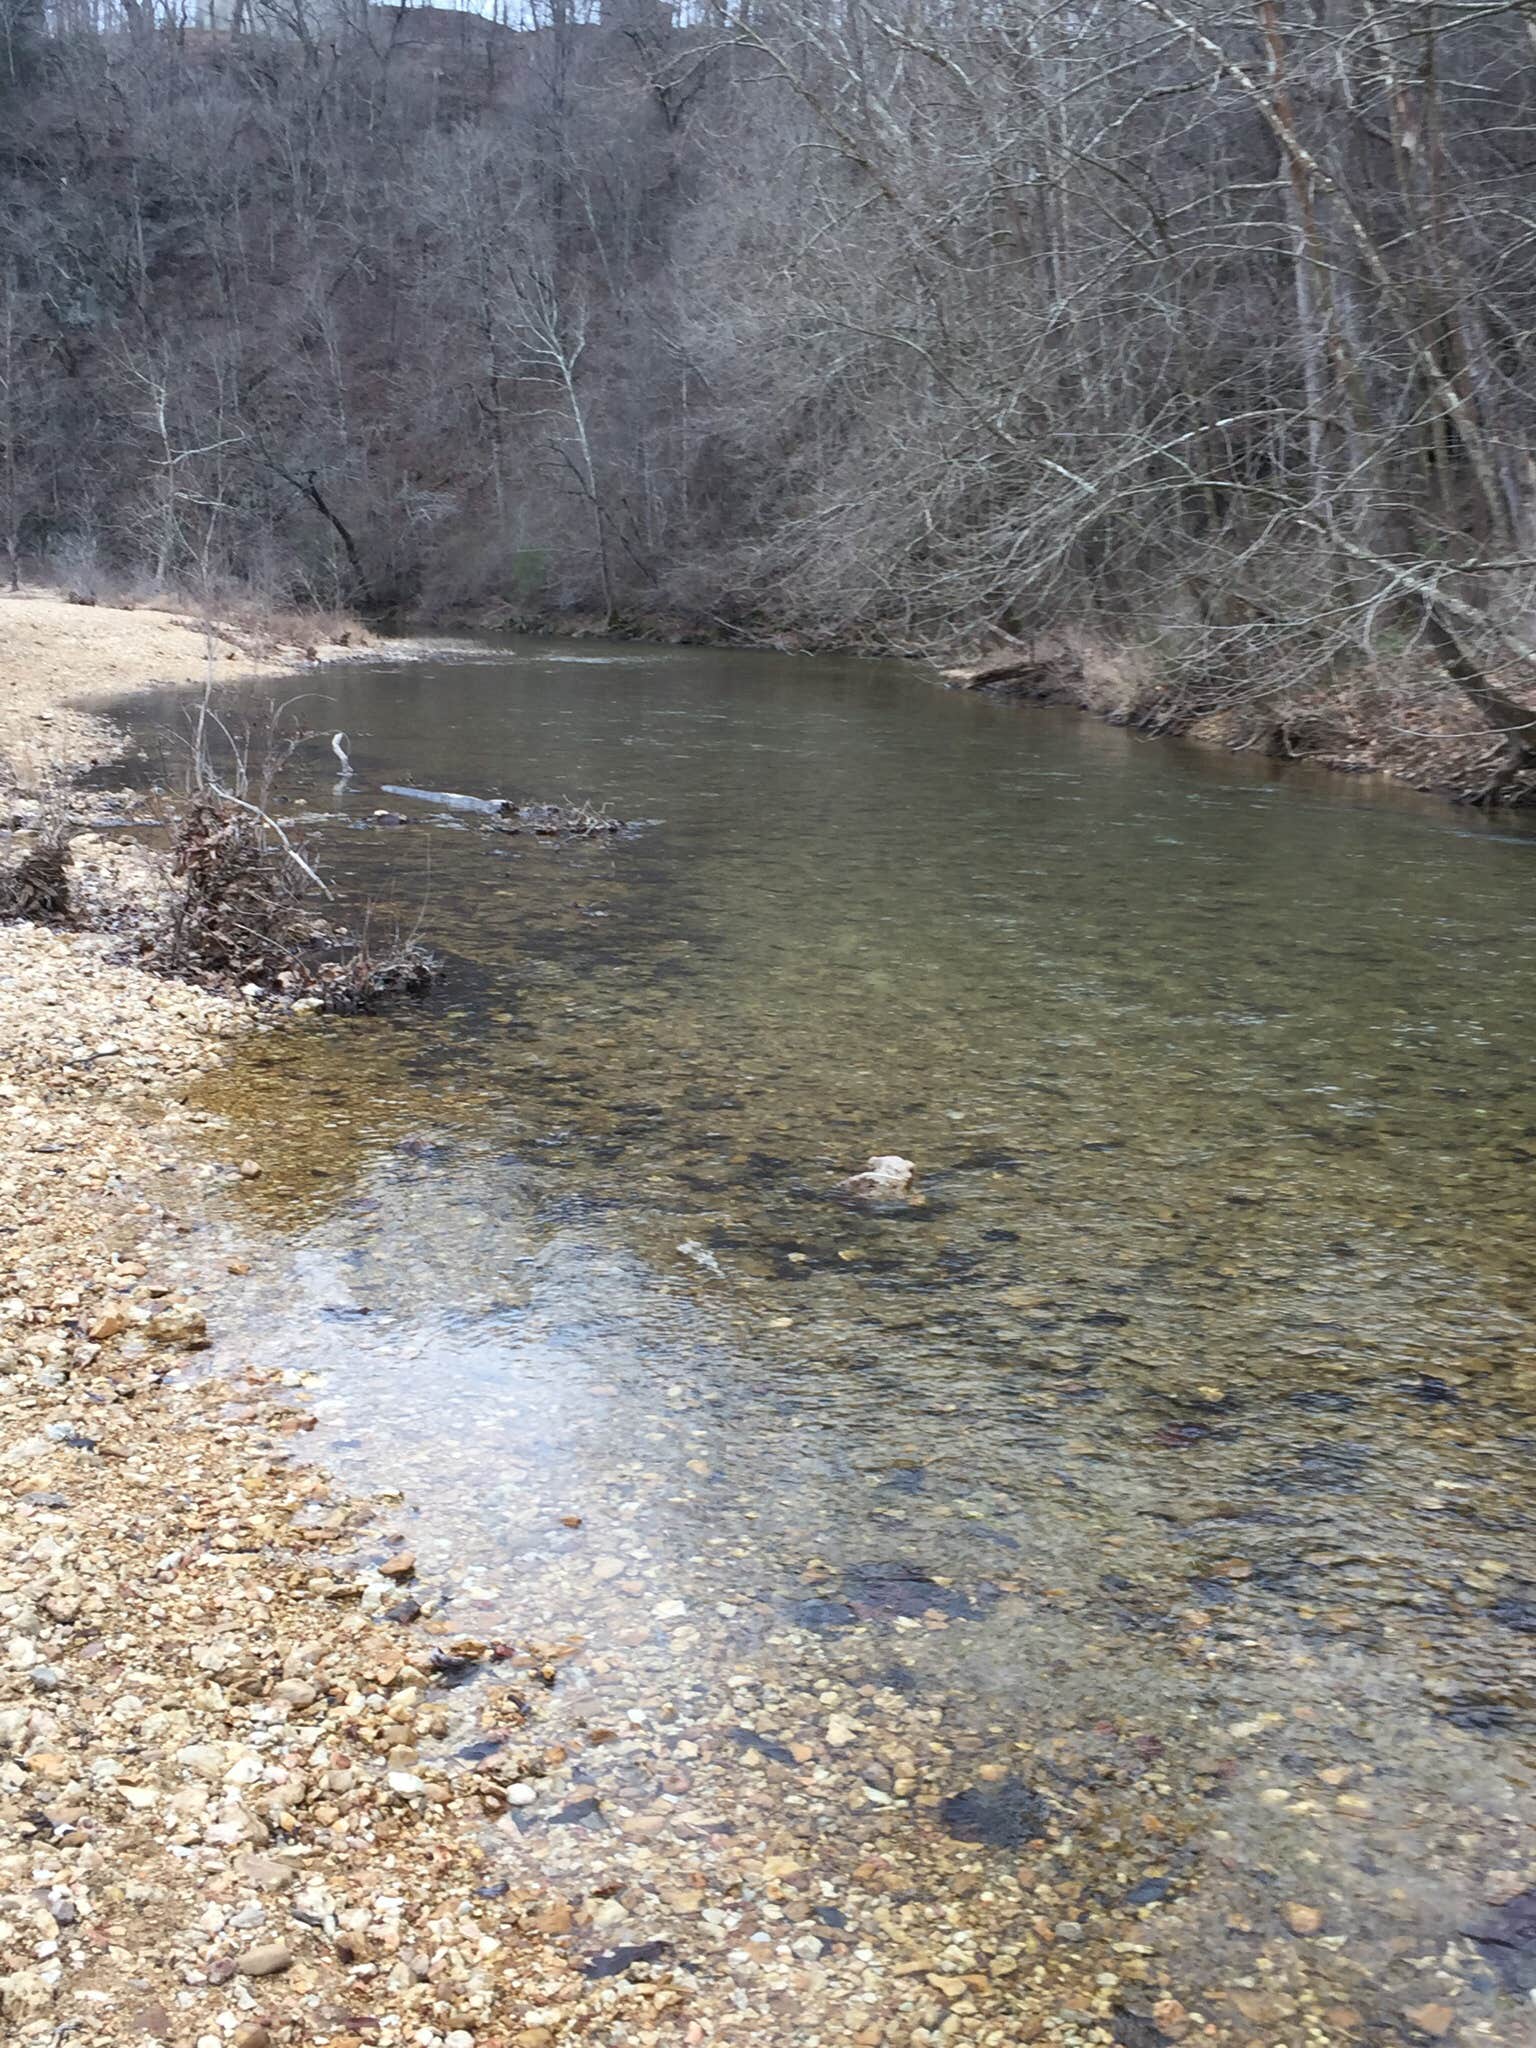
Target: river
(1097,1591)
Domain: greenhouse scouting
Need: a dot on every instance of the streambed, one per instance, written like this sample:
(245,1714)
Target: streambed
(1097,1594)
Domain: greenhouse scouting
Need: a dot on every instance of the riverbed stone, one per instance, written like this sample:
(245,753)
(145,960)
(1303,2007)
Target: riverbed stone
(269,1959)
(1001,1816)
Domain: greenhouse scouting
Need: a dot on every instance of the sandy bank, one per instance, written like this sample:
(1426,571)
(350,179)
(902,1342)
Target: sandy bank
(57,657)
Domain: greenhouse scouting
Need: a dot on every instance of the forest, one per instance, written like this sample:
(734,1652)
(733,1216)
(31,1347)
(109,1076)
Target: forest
(1187,347)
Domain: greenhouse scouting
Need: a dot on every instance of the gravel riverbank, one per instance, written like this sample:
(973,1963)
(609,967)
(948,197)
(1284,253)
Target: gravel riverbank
(221,1815)
(217,1824)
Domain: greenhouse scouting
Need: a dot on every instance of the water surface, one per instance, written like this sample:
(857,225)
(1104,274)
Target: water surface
(1151,1498)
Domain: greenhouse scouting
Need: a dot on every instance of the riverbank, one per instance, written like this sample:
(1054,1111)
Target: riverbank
(1398,717)
(57,657)
(227,1811)
(222,1821)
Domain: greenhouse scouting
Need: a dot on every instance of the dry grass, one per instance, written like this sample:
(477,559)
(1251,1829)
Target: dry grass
(1120,682)
(277,631)
(1075,666)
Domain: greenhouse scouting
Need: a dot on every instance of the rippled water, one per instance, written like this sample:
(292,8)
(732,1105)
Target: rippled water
(1167,1463)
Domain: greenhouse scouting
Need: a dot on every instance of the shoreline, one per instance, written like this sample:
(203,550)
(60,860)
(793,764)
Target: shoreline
(241,1804)
(226,1809)
(59,659)
(1389,721)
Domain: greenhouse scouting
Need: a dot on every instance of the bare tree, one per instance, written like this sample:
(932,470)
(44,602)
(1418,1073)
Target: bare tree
(900,323)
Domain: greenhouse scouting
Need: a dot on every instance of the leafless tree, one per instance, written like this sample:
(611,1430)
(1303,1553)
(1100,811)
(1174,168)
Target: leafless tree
(1205,328)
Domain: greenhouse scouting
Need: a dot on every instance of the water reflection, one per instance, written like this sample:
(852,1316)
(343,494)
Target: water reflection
(1166,1466)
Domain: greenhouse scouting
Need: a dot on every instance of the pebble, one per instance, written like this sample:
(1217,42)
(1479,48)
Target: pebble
(268,1960)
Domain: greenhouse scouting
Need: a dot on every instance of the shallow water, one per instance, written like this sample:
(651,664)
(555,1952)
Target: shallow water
(1168,1460)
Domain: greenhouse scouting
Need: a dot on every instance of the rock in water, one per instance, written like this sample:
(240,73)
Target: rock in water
(1004,1816)
(614,1961)
(886,1178)
(701,1256)
(1507,1939)
(884,1591)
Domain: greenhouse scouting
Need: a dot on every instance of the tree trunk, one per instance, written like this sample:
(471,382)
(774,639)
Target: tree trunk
(1515,723)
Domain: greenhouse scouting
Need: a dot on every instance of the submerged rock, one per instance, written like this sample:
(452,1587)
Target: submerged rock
(701,1255)
(1136,2030)
(1003,1816)
(614,1961)
(1507,1939)
(821,1614)
(886,1177)
(887,1590)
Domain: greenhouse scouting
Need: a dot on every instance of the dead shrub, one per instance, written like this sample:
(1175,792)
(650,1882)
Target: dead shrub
(266,627)
(243,903)
(35,885)
(238,912)
(363,979)
(563,820)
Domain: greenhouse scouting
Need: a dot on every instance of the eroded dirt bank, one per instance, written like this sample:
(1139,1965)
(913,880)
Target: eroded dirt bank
(1394,718)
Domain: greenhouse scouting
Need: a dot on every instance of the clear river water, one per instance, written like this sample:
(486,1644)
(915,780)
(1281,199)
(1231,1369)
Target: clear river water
(1098,1591)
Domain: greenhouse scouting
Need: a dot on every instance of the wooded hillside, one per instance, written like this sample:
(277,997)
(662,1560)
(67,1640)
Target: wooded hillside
(1208,329)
